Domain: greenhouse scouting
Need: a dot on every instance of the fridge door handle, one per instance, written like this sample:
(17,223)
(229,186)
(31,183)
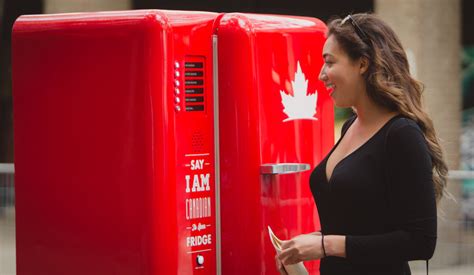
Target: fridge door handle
(283,168)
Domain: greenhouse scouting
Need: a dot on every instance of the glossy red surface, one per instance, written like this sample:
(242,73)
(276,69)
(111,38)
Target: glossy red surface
(101,155)
(258,70)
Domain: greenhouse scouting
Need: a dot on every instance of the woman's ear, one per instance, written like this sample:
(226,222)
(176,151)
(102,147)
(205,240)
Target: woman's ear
(363,65)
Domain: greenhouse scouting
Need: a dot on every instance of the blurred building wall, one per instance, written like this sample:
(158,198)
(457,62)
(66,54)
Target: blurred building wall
(430,31)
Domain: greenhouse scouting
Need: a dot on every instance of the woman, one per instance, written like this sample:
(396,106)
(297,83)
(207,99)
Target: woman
(376,191)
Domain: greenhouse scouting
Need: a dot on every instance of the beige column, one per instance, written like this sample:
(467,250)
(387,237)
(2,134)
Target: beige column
(430,31)
(61,6)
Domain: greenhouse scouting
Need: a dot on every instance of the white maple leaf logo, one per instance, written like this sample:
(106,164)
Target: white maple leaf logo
(301,105)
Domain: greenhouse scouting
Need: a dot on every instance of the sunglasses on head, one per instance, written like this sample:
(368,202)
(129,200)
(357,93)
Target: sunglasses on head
(358,30)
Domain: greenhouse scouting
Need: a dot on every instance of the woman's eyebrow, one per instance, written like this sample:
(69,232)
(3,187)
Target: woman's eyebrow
(326,55)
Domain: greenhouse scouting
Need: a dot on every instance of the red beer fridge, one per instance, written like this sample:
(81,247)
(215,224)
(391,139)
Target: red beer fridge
(275,123)
(153,142)
(113,143)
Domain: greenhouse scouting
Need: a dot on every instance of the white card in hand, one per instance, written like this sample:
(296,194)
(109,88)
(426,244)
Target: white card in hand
(294,269)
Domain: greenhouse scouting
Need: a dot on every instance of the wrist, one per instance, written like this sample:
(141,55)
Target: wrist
(335,245)
(323,249)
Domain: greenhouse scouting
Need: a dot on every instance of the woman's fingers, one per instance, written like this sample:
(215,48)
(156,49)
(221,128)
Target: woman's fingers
(285,244)
(280,266)
(288,256)
(282,271)
(300,248)
(284,254)
(277,262)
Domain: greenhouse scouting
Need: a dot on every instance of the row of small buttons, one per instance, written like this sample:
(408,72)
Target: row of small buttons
(193,85)
(177,83)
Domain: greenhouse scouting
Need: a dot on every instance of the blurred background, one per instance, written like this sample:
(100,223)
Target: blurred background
(439,41)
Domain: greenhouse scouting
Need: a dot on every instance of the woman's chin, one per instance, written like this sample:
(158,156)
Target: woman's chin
(339,104)
(336,102)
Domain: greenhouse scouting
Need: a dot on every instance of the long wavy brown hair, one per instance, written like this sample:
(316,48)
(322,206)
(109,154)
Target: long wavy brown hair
(388,78)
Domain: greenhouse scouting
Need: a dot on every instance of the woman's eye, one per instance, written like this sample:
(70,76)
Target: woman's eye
(328,62)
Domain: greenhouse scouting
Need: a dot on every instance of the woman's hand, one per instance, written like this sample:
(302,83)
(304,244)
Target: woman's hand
(279,266)
(301,248)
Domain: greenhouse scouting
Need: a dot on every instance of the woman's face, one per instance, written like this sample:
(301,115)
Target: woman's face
(342,76)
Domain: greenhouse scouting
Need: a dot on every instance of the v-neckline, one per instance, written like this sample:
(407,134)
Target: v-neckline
(328,179)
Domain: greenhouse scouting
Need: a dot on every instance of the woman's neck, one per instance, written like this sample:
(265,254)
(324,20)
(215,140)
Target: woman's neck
(368,112)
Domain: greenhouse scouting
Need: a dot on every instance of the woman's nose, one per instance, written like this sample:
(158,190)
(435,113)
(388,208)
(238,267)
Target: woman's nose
(322,74)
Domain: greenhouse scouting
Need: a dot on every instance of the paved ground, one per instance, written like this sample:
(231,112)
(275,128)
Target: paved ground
(457,270)
(7,241)
(7,251)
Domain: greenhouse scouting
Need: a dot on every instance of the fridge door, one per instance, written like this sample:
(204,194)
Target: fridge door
(276,124)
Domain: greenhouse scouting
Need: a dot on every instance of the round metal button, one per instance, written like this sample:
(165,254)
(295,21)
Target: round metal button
(200,259)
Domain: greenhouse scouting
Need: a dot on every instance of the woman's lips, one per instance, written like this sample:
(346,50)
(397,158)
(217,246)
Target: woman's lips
(330,89)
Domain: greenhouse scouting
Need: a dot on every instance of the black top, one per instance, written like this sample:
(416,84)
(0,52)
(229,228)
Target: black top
(381,197)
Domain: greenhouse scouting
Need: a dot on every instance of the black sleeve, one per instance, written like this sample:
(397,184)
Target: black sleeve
(411,203)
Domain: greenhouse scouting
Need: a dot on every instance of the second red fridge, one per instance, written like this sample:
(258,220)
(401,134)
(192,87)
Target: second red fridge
(275,124)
